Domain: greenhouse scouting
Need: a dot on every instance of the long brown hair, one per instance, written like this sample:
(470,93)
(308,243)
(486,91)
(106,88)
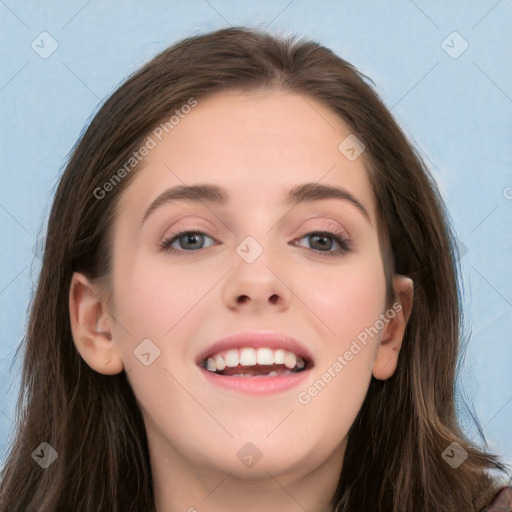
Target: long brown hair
(393,460)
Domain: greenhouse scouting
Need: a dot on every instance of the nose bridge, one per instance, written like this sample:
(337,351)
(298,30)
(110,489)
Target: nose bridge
(256,257)
(256,277)
(258,235)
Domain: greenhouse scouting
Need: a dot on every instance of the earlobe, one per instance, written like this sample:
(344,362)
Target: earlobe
(91,327)
(393,331)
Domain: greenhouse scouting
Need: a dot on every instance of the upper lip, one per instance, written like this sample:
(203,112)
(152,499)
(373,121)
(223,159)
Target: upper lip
(271,339)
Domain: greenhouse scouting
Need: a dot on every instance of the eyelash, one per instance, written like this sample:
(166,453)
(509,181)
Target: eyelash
(337,236)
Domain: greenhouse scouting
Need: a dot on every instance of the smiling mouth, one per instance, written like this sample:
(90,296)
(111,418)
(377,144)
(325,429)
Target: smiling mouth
(251,362)
(257,371)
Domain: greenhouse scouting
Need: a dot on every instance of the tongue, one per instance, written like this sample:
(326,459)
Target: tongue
(254,370)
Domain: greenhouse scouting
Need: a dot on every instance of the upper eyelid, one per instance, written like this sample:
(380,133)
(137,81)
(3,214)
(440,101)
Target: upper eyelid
(331,223)
(328,228)
(332,232)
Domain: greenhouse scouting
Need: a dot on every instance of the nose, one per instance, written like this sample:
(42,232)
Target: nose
(257,285)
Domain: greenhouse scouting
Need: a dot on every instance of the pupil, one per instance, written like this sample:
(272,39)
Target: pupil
(190,237)
(321,237)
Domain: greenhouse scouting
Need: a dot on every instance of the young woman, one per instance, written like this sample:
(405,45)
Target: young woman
(248,301)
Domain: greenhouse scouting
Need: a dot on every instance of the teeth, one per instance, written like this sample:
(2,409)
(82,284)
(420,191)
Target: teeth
(232,359)
(265,356)
(279,356)
(220,363)
(290,360)
(271,374)
(248,356)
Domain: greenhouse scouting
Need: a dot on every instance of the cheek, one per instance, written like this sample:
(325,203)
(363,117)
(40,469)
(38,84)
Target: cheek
(152,296)
(349,304)
(347,300)
(334,399)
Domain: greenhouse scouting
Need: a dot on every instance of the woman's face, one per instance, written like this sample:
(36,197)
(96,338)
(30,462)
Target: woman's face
(256,263)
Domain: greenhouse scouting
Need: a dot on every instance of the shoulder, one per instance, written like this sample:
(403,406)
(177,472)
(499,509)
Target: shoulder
(502,501)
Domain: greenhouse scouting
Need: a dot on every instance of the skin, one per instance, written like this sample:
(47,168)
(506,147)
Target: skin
(257,145)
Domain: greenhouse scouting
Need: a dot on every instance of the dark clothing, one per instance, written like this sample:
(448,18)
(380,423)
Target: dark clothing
(502,502)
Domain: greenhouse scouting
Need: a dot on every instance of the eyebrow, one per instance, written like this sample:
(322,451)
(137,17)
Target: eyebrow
(306,192)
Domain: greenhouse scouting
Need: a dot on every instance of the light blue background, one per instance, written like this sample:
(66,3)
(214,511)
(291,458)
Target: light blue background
(458,112)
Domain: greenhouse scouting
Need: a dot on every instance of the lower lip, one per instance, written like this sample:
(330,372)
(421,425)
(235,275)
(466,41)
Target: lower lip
(257,385)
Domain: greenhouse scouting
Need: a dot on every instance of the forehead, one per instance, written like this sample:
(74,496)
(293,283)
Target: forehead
(257,145)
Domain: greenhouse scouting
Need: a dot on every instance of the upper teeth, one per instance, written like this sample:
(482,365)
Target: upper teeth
(249,356)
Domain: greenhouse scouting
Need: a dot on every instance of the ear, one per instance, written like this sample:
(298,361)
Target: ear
(393,331)
(91,326)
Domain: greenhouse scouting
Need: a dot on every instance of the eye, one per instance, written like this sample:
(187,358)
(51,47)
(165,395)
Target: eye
(321,240)
(189,240)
